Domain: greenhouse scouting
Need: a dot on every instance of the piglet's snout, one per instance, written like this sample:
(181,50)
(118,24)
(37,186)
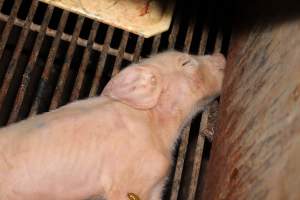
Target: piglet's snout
(218,60)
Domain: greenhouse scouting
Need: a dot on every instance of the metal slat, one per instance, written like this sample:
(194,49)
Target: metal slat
(180,187)
(174,32)
(85,60)
(16,56)
(206,28)
(9,26)
(204,38)
(67,37)
(138,49)
(65,69)
(101,62)
(44,81)
(189,35)
(30,66)
(120,55)
(196,163)
(155,44)
(179,163)
(184,142)
(201,136)
(218,43)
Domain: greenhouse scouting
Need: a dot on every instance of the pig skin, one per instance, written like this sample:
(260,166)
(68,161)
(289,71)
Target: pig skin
(121,142)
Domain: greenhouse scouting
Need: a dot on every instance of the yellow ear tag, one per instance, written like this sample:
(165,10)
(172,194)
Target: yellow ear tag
(132,196)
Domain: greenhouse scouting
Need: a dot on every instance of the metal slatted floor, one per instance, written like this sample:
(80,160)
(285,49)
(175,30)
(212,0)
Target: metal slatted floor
(49,57)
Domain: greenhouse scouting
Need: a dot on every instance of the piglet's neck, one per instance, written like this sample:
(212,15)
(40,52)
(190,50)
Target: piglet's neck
(169,123)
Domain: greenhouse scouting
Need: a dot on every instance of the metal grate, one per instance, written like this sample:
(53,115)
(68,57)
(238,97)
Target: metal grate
(49,57)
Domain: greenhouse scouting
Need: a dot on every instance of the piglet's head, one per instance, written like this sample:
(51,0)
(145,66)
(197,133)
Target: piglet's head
(171,80)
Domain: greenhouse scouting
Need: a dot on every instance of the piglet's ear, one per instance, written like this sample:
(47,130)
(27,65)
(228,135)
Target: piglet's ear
(136,86)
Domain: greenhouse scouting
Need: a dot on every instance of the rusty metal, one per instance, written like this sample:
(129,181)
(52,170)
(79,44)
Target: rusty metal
(9,25)
(121,51)
(255,154)
(102,60)
(138,49)
(204,38)
(180,163)
(65,69)
(189,35)
(155,44)
(195,171)
(85,60)
(13,63)
(174,30)
(45,86)
(66,37)
(185,137)
(4,38)
(30,67)
(191,184)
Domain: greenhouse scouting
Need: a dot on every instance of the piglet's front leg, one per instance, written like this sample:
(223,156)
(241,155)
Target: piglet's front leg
(158,190)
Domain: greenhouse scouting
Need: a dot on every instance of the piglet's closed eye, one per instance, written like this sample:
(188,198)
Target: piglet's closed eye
(136,86)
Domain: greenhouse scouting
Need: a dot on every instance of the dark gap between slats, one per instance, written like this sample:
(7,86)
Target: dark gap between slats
(189,159)
(35,77)
(53,77)
(101,33)
(89,75)
(8,52)
(56,16)
(24,9)
(75,64)
(7,6)
(40,13)
(106,75)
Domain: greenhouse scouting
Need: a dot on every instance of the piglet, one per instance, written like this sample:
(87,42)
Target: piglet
(117,146)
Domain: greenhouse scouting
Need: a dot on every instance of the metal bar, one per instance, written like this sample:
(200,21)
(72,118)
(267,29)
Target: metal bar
(9,26)
(203,132)
(218,44)
(180,163)
(203,41)
(198,156)
(81,72)
(30,66)
(43,84)
(206,27)
(174,32)
(14,61)
(138,49)
(67,37)
(155,44)
(119,58)
(65,69)
(102,60)
(184,143)
(189,35)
